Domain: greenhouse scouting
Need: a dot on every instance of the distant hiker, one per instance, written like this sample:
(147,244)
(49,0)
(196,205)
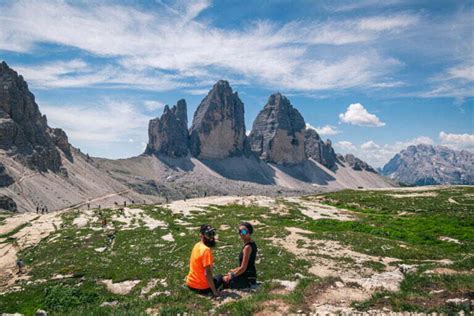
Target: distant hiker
(104,222)
(245,275)
(46,209)
(37,209)
(99,206)
(124,203)
(42,210)
(20,264)
(205,193)
(167,200)
(199,278)
(88,206)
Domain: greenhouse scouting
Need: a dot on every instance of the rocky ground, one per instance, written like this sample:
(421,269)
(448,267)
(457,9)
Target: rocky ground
(377,251)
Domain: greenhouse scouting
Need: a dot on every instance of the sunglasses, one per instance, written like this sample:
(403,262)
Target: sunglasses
(243,232)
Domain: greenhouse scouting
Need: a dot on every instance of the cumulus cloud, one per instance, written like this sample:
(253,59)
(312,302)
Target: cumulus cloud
(457,141)
(356,114)
(345,146)
(370,145)
(324,130)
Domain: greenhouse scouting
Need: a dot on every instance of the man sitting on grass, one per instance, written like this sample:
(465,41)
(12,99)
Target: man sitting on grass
(199,278)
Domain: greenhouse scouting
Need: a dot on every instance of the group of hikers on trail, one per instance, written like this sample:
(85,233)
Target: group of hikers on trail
(200,278)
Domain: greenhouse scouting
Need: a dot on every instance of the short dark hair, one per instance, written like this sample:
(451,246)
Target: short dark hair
(248,226)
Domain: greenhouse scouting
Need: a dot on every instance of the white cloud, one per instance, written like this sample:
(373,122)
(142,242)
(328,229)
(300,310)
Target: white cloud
(172,40)
(385,23)
(463,71)
(370,145)
(153,105)
(78,73)
(105,127)
(345,146)
(356,114)
(324,130)
(457,141)
(378,155)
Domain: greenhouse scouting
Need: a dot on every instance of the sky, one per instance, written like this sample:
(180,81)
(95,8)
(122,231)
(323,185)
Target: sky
(372,76)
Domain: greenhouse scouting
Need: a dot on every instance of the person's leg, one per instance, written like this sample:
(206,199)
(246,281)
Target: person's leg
(218,281)
(239,282)
(200,291)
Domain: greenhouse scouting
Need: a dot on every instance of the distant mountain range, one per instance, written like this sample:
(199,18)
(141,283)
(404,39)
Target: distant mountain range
(426,165)
(38,165)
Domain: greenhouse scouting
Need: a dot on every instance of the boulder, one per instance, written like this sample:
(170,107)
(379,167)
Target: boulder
(7,203)
(5,179)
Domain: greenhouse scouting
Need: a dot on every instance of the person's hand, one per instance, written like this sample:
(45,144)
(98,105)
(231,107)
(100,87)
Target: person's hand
(226,278)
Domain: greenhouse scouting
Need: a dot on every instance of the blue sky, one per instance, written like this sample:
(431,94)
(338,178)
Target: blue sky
(372,76)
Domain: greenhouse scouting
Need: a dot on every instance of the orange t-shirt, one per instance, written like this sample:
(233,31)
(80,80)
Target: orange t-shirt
(201,257)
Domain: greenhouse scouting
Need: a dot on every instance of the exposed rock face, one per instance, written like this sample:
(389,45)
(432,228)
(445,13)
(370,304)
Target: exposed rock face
(168,134)
(357,164)
(7,203)
(218,129)
(5,179)
(23,130)
(278,132)
(61,141)
(319,150)
(425,165)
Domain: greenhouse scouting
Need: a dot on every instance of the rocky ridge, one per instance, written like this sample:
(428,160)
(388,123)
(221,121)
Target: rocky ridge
(168,134)
(279,134)
(24,132)
(427,165)
(319,150)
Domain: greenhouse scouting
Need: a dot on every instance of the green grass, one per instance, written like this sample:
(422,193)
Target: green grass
(380,229)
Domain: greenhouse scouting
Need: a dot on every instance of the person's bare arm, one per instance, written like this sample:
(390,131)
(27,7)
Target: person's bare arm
(210,280)
(245,261)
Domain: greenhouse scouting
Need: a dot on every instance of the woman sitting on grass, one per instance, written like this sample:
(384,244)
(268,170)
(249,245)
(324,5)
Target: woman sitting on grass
(245,275)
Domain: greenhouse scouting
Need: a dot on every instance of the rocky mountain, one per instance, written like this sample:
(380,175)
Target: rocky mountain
(319,150)
(426,165)
(356,163)
(168,135)
(39,167)
(278,132)
(24,132)
(218,129)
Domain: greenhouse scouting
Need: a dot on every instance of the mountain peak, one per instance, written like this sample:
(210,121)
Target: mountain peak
(218,128)
(278,132)
(425,164)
